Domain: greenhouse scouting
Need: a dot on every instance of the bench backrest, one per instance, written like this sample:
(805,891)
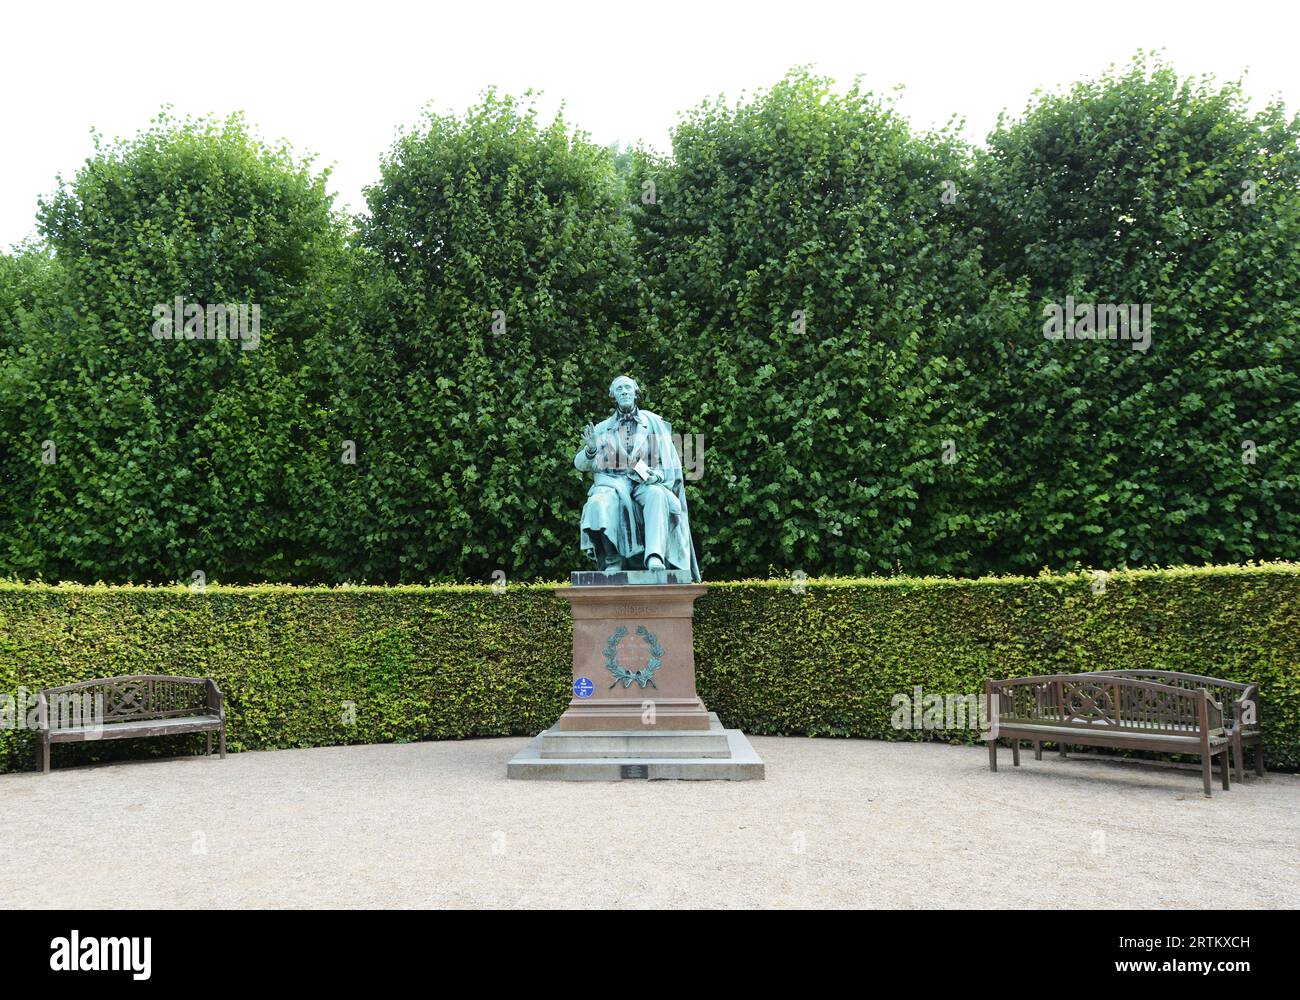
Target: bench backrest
(1240,700)
(122,699)
(1093,702)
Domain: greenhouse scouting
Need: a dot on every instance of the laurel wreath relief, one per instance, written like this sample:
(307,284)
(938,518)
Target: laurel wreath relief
(627,677)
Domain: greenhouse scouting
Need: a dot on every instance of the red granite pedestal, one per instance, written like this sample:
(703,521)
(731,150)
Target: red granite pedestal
(635,712)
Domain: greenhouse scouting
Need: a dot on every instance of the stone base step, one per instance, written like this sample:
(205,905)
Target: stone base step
(659,744)
(740,762)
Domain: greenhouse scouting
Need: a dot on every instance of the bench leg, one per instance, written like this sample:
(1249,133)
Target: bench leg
(45,756)
(1015,753)
(1237,753)
(1225,768)
(1205,773)
(223,742)
(1259,758)
(208,734)
(993,755)
(1038,749)
(1060,748)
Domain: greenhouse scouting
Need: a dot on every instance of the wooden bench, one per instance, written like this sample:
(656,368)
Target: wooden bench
(1108,711)
(128,707)
(1241,713)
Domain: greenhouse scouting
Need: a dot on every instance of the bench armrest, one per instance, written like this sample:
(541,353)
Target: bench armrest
(1213,711)
(42,712)
(1246,702)
(216,700)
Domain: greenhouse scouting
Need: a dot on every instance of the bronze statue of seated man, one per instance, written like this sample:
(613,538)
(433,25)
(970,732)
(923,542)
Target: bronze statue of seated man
(635,516)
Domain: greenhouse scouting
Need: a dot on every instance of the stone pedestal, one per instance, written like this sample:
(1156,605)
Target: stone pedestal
(647,631)
(634,711)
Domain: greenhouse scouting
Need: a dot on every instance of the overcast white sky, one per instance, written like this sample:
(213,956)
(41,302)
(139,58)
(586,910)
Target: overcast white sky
(338,79)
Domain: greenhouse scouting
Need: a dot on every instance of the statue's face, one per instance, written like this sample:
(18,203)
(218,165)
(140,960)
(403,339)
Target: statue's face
(624,392)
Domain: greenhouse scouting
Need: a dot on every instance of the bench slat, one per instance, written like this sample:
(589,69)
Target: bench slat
(136,727)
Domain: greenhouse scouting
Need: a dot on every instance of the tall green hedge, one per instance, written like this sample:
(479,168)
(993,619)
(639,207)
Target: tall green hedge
(422,663)
(827,323)
(1143,187)
(507,303)
(849,312)
(128,457)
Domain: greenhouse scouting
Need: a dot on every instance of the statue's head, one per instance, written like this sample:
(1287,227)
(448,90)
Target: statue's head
(624,392)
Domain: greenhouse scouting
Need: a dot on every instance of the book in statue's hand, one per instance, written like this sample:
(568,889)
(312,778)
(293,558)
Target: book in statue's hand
(642,470)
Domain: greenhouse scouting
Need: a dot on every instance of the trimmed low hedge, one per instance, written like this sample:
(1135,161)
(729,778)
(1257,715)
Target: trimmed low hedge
(450,662)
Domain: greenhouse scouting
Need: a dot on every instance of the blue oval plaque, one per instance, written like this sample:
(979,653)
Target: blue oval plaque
(583,687)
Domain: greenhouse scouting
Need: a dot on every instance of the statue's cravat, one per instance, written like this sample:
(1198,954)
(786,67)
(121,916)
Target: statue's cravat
(627,425)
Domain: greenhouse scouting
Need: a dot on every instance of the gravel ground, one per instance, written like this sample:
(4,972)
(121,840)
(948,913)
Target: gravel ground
(837,823)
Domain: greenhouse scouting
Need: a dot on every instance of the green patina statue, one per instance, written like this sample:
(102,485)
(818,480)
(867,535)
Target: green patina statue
(635,517)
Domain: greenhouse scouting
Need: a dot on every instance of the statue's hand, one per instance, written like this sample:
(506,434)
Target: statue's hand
(655,478)
(589,438)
